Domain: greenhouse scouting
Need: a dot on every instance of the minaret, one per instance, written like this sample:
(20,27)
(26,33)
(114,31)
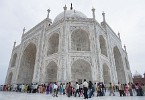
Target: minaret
(71,8)
(93,12)
(65,8)
(48,11)
(124,47)
(24,30)
(119,35)
(14,45)
(103,14)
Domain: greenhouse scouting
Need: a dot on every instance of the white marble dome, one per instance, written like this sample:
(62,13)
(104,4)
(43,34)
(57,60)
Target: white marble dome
(69,14)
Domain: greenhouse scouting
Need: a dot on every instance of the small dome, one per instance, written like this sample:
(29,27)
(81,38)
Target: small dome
(137,74)
(69,14)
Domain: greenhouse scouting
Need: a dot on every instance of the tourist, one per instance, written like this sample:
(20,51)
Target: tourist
(55,89)
(44,88)
(20,87)
(98,88)
(111,90)
(143,88)
(61,89)
(123,87)
(137,89)
(85,85)
(130,89)
(47,89)
(25,87)
(50,87)
(133,88)
(102,89)
(69,89)
(126,89)
(93,88)
(72,91)
(28,89)
(81,89)
(77,89)
(1,87)
(140,90)
(90,89)
(119,89)
(66,89)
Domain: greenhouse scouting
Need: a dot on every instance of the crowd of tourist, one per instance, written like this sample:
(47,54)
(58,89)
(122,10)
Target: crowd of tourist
(85,89)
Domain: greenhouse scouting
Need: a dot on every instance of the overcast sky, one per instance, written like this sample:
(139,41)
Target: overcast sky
(124,16)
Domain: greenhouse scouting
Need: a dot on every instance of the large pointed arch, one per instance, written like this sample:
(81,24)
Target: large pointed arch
(106,74)
(53,44)
(81,70)
(10,77)
(80,40)
(103,45)
(26,70)
(119,65)
(14,60)
(51,72)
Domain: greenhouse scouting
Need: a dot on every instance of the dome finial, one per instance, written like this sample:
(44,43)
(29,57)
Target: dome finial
(65,8)
(119,35)
(71,8)
(124,47)
(48,11)
(93,11)
(24,29)
(14,45)
(103,13)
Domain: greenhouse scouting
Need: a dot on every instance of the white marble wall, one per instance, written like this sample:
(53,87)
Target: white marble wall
(65,57)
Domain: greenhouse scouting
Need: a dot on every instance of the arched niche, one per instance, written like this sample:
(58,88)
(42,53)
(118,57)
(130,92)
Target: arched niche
(119,65)
(81,70)
(10,76)
(14,58)
(51,72)
(103,45)
(27,64)
(53,44)
(80,40)
(106,74)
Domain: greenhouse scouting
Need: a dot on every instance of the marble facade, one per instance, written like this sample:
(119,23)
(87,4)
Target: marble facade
(71,48)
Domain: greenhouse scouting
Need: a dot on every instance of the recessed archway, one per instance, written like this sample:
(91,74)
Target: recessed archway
(80,40)
(103,45)
(51,72)
(106,74)
(53,44)
(81,70)
(27,64)
(14,60)
(10,76)
(119,65)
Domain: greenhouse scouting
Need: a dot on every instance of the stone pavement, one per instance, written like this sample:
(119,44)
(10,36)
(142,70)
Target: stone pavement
(26,96)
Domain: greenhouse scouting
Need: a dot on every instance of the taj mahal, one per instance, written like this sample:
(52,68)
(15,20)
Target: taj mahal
(70,48)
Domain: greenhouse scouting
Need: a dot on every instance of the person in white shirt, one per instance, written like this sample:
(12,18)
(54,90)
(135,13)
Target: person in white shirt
(55,88)
(77,89)
(85,85)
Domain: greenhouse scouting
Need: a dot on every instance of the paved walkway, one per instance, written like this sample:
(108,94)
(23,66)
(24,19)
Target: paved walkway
(28,96)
